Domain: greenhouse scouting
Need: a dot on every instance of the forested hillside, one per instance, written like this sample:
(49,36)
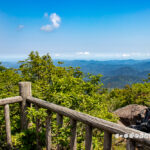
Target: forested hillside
(60,85)
(64,86)
(116,73)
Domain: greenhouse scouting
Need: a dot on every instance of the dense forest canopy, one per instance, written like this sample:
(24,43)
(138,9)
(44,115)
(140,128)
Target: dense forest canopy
(66,86)
(116,73)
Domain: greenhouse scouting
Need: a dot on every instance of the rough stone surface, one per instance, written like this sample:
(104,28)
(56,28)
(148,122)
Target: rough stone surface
(129,114)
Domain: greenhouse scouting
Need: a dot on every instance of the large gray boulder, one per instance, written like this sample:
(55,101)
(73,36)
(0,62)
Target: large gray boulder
(129,114)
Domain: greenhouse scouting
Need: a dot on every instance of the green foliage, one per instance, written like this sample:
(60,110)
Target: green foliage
(148,79)
(66,86)
(2,67)
(9,79)
(138,93)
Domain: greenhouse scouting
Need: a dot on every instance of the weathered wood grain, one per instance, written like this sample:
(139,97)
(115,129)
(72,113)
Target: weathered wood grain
(37,131)
(107,140)
(90,120)
(88,138)
(130,145)
(60,124)
(25,91)
(48,131)
(73,138)
(11,100)
(8,126)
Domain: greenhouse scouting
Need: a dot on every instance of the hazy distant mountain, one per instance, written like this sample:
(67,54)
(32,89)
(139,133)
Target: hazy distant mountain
(120,81)
(116,73)
(11,64)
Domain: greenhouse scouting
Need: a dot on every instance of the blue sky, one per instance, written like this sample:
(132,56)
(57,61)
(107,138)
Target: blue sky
(75,29)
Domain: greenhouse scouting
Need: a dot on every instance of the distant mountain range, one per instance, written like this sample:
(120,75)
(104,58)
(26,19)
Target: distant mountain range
(116,73)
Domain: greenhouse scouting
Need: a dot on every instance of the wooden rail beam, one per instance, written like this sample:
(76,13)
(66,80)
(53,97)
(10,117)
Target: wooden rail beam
(11,100)
(90,120)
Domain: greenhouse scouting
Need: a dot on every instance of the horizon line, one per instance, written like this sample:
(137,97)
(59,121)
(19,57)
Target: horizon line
(54,59)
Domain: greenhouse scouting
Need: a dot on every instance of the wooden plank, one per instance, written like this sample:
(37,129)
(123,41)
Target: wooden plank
(90,120)
(107,140)
(11,100)
(88,138)
(73,138)
(25,91)
(37,131)
(130,145)
(60,124)
(48,131)
(8,126)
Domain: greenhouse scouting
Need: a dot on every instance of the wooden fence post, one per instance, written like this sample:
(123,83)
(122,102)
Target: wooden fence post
(107,140)
(60,124)
(25,91)
(130,145)
(8,127)
(38,144)
(73,139)
(48,131)
(88,138)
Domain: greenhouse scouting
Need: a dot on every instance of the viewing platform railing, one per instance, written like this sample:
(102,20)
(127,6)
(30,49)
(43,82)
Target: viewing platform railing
(91,122)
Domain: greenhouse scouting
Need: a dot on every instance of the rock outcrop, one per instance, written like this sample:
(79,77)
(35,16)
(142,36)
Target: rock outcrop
(129,114)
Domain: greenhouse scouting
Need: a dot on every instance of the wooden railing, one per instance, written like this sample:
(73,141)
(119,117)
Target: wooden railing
(91,122)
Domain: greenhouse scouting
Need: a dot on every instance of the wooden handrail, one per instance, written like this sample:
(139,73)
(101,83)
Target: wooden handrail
(6,103)
(91,122)
(95,122)
(10,100)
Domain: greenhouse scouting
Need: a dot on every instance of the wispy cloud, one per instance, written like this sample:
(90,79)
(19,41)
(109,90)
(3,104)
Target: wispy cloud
(83,53)
(47,28)
(55,19)
(126,55)
(20,27)
(55,22)
(132,55)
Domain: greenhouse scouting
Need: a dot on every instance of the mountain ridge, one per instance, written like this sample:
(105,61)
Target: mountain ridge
(116,73)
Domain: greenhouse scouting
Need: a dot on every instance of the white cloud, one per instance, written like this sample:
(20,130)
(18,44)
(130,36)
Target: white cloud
(20,27)
(45,14)
(86,55)
(55,23)
(132,55)
(47,28)
(126,55)
(55,19)
(83,53)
